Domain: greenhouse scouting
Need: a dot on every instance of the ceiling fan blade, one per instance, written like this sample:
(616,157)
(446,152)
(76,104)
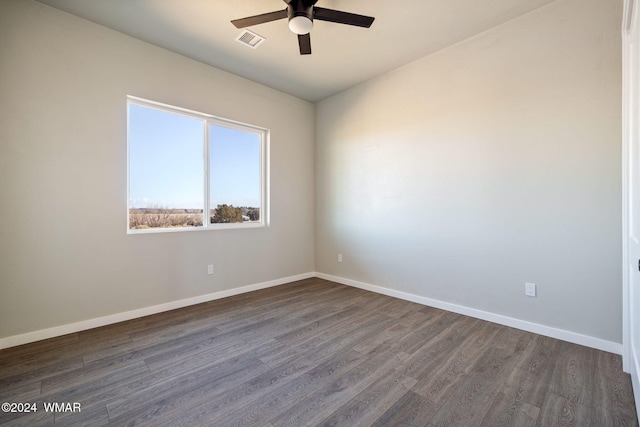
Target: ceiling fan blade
(304,41)
(259,19)
(339,17)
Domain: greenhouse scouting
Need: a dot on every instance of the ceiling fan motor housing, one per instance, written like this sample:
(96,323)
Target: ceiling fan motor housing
(300,16)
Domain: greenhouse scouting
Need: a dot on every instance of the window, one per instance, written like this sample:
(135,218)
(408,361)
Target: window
(189,170)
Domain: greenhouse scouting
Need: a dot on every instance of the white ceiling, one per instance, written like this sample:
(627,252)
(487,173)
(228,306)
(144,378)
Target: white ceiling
(342,55)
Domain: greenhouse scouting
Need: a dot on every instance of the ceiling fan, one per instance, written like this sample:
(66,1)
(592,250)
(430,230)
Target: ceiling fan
(301,14)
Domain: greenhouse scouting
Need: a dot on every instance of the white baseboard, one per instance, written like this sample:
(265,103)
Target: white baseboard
(57,331)
(609,346)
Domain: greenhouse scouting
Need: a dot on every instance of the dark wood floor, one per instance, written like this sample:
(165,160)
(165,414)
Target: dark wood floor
(310,353)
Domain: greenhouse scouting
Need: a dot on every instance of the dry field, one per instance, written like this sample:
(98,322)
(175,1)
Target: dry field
(164,218)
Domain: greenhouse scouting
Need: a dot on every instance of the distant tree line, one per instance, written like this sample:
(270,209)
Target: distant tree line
(229,214)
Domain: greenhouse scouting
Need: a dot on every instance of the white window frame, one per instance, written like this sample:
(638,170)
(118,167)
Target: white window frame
(208,120)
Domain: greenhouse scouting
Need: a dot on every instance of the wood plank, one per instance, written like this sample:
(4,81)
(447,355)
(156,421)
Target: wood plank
(261,385)
(89,416)
(429,330)
(612,392)
(454,361)
(39,373)
(371,403)
(423,360)
(472,398)
(24,393)
(559,411)
(270,406)
(32,419)
(532,374)
(317,406)
(410,410)
(154,403)
(511,411)
(572,377)
(526,386)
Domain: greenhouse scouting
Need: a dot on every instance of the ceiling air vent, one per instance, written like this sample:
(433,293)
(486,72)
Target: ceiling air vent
(251,39)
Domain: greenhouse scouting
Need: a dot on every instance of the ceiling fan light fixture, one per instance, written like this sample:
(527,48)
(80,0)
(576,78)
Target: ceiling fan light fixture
(300,24)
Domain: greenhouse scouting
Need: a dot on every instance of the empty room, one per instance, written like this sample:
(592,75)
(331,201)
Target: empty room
(332,212)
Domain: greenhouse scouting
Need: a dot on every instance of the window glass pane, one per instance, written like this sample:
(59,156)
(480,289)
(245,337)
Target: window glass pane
(174,184)
(166,169)
(235,175)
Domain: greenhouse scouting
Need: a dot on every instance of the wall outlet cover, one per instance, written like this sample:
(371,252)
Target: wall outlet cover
(530,289)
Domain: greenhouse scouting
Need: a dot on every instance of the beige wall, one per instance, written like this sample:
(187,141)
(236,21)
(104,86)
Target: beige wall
(64,254)
(489,164)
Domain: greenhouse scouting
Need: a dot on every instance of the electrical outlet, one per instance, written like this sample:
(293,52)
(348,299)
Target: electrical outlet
(210,269)
(339,257)
(530,289)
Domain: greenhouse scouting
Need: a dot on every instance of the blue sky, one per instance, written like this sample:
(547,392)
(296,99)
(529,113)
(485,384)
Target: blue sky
(166,162)
(235,167)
